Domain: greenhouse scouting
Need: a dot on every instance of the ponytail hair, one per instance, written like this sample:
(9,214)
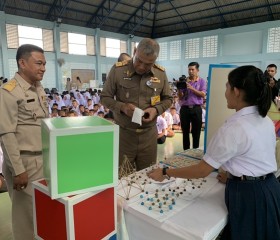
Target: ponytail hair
(253,82)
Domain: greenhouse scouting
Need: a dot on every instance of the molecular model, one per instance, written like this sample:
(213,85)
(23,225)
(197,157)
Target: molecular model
(164,199)
(131,182)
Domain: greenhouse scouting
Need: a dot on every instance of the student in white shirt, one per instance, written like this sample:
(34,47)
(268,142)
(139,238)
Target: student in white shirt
(176,119)
(244,146)
(162,129)
(169,121)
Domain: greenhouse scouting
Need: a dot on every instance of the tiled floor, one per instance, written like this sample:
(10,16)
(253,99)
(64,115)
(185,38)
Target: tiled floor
(169,148)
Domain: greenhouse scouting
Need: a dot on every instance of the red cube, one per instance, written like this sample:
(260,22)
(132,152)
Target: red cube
(85,216)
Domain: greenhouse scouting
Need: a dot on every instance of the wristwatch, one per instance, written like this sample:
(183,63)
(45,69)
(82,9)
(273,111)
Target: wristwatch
(164,173)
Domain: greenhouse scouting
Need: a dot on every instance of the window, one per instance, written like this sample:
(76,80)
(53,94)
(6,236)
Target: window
(30,35)
(273,41)
(112,47)
(77,44)
(74,43)
(18,35)
(162,51)
(192,48)
(210,46)
(175,50)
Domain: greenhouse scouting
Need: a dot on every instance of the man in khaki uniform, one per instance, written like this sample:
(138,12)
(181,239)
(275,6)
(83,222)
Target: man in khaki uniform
(23,105)
(143,84)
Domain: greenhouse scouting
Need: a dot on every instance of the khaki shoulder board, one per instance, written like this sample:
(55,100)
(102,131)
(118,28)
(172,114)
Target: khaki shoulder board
(159,67)
(10,85)
(120,64)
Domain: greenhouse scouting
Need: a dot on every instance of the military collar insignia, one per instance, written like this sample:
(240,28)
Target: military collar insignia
(128,73)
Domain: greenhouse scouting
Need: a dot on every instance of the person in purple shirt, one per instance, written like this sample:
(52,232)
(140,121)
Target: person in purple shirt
(191,99)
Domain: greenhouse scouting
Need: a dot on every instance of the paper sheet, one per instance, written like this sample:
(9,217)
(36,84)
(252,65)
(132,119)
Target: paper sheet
(137,116)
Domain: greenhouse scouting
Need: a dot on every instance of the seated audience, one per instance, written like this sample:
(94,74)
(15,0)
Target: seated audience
(176,119)
(162,129)
(169,121)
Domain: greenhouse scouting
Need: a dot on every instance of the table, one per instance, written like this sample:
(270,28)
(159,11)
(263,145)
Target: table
(203,219)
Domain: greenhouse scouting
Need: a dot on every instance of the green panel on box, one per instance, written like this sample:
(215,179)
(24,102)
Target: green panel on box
(61,123)
(85,160)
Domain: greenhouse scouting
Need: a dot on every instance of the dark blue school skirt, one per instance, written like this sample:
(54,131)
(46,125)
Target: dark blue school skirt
(253,209)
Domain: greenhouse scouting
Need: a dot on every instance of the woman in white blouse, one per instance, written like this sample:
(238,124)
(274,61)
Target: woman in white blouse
(244,147)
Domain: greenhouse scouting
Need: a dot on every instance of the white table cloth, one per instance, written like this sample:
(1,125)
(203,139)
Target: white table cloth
(203,219)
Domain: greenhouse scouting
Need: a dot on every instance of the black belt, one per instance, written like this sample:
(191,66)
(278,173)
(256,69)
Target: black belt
(248,178)
(191,106)
(30,153)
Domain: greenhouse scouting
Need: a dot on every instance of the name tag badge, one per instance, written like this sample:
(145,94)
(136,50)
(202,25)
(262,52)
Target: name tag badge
(126,78)
(155,100)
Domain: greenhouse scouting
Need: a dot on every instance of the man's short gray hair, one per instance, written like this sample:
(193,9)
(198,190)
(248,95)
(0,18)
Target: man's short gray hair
(148,46)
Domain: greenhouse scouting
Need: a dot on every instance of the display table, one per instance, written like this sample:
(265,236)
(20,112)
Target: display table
(203,218)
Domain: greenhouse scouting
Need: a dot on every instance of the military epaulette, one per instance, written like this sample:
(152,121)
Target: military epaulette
(159,67)
(10,85)
(120,64)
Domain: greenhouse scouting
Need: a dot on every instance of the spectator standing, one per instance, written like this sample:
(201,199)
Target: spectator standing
(191,99)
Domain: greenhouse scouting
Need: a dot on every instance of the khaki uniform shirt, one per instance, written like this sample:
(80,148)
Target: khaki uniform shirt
(124,85)
(22,107)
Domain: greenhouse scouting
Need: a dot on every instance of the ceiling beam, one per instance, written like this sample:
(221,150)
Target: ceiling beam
(143,18)
(3,5)
(132,15)
(182,18)
(154,19)
(270,11)
(203,10)
(223,21)
(51,15)
(102,13)
(225,13)
(138,17)
(52,8)
(178,32)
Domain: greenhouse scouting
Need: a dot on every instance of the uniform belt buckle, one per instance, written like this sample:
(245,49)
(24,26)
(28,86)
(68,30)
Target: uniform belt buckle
(190,106)
(139,130)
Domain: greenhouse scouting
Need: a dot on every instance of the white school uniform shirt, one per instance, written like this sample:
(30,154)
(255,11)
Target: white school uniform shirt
(168,118)
(244,145)
(177,106)
(176,118)
(161,125)
(203,115)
